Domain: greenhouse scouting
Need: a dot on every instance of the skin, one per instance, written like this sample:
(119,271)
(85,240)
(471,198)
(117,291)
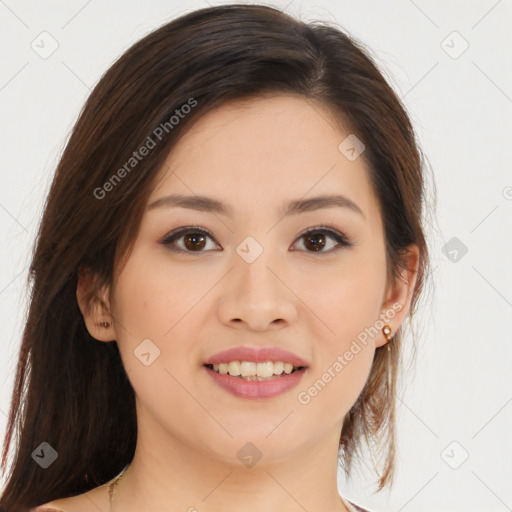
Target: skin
(255,155)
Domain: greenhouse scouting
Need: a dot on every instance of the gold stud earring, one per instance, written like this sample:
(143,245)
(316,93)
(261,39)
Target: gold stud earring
(387,332)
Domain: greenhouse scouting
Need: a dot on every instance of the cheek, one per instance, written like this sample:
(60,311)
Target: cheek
(330,394)
(347,296)
(151,305)
(155,302)
(348,304)
(151,297)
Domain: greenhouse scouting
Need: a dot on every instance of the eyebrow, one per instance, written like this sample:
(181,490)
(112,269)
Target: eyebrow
(211,205)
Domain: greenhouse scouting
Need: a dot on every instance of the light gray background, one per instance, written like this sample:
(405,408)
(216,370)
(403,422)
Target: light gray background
(457,403)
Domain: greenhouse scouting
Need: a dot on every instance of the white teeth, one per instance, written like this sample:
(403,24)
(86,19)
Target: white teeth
(252,369)
(278,367)
(265,369)
(234,368)
(247,368)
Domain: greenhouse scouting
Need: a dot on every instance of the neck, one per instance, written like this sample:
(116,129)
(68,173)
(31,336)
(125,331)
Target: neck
(169,475)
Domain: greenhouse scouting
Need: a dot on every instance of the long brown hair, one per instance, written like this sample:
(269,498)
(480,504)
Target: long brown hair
(71,391)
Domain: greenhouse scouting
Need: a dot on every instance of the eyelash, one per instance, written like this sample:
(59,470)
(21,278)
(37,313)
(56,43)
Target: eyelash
(343,241)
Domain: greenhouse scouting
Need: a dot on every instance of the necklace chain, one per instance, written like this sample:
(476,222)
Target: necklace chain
(112,488)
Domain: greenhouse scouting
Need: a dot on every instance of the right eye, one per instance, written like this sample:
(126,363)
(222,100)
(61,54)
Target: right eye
(193,240)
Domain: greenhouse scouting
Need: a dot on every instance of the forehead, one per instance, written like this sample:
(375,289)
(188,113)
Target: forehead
(266,149)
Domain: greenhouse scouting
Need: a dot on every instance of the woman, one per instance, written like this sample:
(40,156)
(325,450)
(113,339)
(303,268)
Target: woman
(229,249)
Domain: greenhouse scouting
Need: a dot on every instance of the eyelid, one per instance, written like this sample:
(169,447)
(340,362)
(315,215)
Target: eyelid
(343,240)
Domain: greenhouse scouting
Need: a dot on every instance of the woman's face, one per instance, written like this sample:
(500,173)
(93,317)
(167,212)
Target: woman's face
(252,278)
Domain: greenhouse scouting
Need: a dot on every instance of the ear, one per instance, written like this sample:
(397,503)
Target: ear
(94,304)
(397,301)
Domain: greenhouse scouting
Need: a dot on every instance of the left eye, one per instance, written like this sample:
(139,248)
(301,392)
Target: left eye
(195,240)
(317,237)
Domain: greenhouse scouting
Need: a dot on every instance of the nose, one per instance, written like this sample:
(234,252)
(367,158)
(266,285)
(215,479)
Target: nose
(256,296)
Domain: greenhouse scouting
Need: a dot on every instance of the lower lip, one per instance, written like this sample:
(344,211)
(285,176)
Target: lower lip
(254,388)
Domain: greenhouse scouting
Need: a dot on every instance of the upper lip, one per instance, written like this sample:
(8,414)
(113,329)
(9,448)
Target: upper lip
(258,355)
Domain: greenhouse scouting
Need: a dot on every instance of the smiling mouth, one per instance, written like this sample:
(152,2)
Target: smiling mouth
(280,375)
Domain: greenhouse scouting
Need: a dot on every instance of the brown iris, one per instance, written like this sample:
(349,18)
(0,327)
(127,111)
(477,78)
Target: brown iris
(318,241)
(194,241)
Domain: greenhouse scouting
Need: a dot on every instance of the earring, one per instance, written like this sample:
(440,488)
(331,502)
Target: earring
(105,324)
(387,332)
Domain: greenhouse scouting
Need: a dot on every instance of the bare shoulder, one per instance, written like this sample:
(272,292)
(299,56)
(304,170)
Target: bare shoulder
(90,501)
(51,506)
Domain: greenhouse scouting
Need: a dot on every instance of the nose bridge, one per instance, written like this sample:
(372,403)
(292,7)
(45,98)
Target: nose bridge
(256,269)
(255,291)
